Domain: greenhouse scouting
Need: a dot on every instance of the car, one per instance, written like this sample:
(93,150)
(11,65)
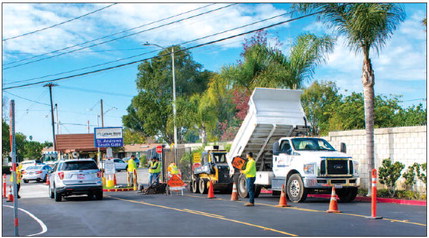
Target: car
(75,177)
(120,164)
(38,173)
(28,163)
(136,159)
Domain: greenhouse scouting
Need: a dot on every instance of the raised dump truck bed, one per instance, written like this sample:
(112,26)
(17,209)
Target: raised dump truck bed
(273,113)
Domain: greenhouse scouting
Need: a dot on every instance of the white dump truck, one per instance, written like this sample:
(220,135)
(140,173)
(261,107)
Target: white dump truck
(274,131)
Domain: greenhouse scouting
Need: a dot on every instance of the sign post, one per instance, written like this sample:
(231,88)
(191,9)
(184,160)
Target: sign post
(159,150)
(14,175)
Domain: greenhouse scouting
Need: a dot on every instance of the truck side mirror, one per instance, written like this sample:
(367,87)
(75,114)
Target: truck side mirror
(343,147)
(276,148)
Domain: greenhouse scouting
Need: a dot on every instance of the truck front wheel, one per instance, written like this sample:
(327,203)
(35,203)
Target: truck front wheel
(194,185)
(347,194)
(295,189)
(202,186)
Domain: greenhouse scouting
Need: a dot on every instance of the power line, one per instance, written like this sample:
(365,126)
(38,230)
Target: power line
(113,39)
(27,99)
(134,56)
(58,24)
(189,48)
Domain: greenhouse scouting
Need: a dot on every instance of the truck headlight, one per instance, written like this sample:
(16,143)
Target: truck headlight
(309,168)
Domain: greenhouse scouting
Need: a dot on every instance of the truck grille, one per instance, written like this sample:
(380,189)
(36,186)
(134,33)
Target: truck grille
(223,174)
(334,167)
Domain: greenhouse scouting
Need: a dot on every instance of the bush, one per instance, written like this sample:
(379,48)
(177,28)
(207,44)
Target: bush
(389,173)
(143,161)
(5,169)
(410,175)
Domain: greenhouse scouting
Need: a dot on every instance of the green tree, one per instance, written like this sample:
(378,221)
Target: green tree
(32,150)
(320,102)
(133,137)
(5,139)
(366,26)
(150,112)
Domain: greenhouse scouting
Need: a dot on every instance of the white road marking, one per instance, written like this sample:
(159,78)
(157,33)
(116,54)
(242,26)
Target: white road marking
(44,227)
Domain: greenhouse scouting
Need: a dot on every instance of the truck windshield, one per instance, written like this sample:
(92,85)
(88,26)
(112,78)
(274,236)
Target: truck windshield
(219,158)
(314,144)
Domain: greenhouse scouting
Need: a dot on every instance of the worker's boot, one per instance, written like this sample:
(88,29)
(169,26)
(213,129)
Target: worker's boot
(249,204)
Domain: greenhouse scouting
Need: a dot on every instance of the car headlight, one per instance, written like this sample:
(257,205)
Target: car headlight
(309,168)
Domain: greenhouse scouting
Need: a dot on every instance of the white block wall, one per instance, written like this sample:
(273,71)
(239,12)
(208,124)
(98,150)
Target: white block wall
(404,144)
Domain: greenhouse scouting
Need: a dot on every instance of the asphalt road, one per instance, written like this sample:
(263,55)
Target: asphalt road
(135,214)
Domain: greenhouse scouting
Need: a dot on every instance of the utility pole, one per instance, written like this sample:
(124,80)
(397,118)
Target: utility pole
(50,85)
(14,166)
(102,113)
(58,119)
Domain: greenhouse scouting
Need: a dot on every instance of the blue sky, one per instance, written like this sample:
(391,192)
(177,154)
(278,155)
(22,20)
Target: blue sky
(400,69)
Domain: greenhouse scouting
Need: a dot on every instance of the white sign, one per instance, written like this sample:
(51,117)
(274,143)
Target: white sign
(109,167)
(109,152)
(108,137)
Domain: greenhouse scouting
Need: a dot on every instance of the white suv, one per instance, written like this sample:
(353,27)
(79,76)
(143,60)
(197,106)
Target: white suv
(76,176)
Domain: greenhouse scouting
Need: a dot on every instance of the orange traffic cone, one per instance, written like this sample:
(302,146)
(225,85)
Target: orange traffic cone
(333,205)
(283,201)
(10,195)
(210,194)
(47,180)
(114,179)
(234,194)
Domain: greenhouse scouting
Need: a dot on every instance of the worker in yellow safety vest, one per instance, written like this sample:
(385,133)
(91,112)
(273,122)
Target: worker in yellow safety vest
(154,170)
(18,178)
(132,166)
(250,173)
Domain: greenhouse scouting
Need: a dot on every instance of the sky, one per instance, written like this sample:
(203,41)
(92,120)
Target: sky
(49,41)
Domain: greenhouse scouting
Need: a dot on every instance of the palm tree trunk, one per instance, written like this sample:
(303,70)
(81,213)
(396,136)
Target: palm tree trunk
(368,82)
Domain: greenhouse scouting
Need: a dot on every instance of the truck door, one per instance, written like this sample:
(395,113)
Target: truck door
(282,162)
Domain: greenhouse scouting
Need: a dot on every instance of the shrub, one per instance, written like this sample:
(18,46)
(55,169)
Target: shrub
(389,173)
(5,169)
(410,175)
(143,161)
(421,173)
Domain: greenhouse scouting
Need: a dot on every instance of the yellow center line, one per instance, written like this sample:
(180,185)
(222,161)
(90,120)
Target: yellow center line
(200,213)
(313,210)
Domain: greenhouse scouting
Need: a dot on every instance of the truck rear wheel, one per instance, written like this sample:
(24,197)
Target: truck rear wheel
(202,186)
(347,194)
(241,187)
(194,185)
(295,189)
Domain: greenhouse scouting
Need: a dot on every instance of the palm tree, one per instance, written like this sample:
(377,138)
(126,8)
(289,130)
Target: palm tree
(366,26)
(265,66)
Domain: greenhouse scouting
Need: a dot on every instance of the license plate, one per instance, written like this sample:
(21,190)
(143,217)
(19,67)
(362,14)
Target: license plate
(80,176)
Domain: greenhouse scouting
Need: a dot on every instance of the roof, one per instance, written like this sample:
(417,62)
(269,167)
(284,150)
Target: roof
(76,142)
(139,147)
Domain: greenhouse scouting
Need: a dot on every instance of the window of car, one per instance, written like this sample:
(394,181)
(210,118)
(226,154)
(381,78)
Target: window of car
(78,165)
(37,167)
(31,167)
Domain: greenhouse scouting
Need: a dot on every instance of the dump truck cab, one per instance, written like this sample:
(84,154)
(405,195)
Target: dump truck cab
(213,167)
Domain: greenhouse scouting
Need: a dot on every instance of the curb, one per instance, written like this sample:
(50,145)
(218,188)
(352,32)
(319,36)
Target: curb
(380,200)
(117,189)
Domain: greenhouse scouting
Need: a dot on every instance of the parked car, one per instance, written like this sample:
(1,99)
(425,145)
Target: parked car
(120,164)
(38,173)
(136,159)
(75,177)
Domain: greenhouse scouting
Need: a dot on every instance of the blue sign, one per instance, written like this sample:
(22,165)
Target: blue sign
(108,137)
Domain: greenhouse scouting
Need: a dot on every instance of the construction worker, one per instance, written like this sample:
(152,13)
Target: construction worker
(154,170)
(132,166)
(18,178)
(250,173)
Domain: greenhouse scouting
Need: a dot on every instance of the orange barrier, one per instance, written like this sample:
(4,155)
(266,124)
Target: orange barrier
(333,205)
(10,195)
(374,195)
(234,194)
(210,194)
(283,200)
(4,186)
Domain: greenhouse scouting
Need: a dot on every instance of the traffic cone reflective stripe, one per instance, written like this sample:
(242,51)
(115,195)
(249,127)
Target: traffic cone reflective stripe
(234,195)
(333,205)
(283,200)
(210,194)
(10,195)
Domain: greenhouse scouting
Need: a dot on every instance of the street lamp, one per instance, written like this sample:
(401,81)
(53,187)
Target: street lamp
(174,96)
